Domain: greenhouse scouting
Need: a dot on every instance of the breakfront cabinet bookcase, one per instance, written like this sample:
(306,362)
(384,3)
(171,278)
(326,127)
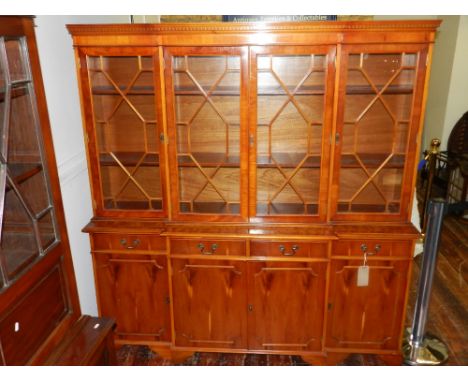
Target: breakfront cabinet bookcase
(252,183)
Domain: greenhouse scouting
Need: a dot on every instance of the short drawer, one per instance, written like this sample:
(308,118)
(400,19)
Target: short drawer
(383,248)
(208,247)
(124,242)
(289,249)
(33,319)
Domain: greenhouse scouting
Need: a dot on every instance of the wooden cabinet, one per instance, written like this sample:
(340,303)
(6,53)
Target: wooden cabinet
(209,303)
(34,318)
(286,305)
(124,280)
(370,316)
(38,296)
(260,162)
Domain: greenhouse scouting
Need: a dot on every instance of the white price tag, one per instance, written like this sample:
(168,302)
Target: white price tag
(363,276)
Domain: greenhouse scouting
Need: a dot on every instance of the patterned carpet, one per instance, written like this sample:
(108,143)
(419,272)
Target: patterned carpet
(448,315)
(143,356)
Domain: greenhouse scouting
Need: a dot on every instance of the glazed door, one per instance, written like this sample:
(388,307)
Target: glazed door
(138,281)
(291,103)
(28,222)
(370,316)
(376,141)
(286,305)
(124,133)
(209,303)
(206,112)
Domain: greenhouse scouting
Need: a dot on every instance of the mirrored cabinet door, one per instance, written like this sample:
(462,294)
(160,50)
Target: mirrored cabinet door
(28,222)
(378,118)
(207,108)
(293,89)
(126,157)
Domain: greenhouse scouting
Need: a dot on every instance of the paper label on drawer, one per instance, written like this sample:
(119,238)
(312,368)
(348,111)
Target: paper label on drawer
(363,276)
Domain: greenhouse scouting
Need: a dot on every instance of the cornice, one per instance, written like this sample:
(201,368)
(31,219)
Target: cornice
(281,27)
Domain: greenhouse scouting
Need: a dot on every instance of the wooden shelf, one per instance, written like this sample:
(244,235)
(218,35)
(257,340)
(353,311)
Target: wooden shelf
(129,159)
(210,208)
(285,160)
(393,207)
(209,160)
(15,92)
(261,91)
(372,160)
(367,89)
(155,204)
(287,209)
(20,172)
(135,90)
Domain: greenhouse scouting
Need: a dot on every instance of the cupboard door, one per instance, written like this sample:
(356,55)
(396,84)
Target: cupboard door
(287,302)
(121,88)
(25,327)
(134,290)
(379,111)
(209,303)
(366,317)
(291,104)
(207,109)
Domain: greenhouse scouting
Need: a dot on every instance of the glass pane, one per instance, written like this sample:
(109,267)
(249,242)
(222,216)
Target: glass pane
(377,113)
(290,117)
(19,246)
(27,211)
(127,132)
(46,229)
(4,103)
(207,109)
(17,67)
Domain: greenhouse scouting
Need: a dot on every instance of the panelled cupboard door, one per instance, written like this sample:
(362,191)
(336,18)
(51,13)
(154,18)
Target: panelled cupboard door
(286,305)
(291,104)
(366,317)
(379,111)
(121,94)
(134,290)
(34,317)
(206,96)
(209,303)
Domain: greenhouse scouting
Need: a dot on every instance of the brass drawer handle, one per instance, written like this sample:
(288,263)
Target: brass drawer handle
(201,247)
(135,243)
(377,249)
(294,248)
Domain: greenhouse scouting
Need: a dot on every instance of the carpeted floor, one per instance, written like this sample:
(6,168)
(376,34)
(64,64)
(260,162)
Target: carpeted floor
(448,314)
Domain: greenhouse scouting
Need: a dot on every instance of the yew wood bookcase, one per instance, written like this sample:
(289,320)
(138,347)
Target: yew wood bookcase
(243,174)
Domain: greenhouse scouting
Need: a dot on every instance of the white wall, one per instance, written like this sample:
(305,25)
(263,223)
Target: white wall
(441,76)
(457,101)
(61,88)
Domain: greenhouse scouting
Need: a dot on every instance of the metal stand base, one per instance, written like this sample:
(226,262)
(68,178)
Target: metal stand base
(431,352)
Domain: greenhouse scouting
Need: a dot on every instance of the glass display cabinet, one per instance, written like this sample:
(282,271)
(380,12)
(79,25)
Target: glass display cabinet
(38,296)
(245,175)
